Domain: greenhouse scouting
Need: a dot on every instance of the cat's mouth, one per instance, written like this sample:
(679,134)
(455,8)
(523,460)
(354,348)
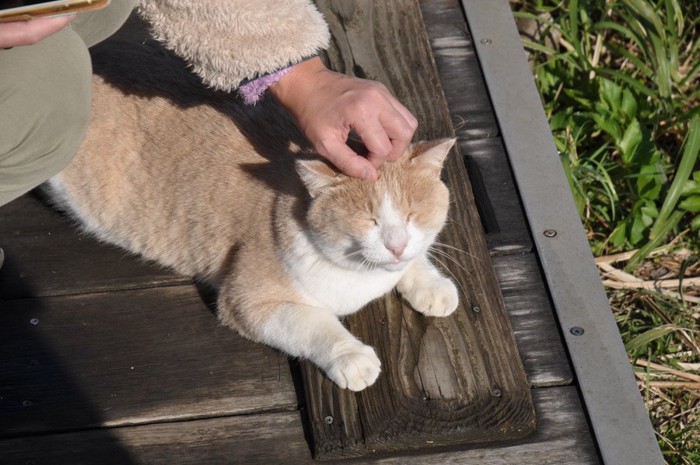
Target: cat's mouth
(394,265)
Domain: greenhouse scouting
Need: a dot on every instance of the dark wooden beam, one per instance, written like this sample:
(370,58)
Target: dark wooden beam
(446,381)
(562,437)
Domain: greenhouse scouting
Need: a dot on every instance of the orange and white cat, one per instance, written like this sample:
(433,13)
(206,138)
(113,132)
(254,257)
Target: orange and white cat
(291,244)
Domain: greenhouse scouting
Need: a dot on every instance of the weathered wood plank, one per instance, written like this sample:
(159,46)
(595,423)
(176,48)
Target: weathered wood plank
(460,73)
(536,331)
(45,255)
(475,125)
(448,381)
(127,358)
(562,437)
(497,199)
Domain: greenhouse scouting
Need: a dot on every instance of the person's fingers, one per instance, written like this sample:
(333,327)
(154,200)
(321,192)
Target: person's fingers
(326,106)
(399,131)
(408,116)
(376,140)
(14,34)
(346,160)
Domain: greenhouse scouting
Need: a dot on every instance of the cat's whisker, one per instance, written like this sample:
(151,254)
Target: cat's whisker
(363,265)
(447,246)
(449,257)
(454,278)
(353,254)
(453,221)
(366,264)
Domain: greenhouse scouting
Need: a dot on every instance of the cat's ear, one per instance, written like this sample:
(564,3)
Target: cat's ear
(430,154)
(317,175)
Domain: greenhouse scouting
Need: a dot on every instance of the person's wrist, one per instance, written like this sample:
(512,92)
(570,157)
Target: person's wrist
(297,84)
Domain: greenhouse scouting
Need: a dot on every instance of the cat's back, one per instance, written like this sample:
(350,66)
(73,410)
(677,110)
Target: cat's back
(167,165)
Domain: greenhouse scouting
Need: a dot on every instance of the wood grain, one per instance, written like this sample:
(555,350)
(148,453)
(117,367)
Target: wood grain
(45,255)
(129,357)
(562,437)
(445,381)
(535,328)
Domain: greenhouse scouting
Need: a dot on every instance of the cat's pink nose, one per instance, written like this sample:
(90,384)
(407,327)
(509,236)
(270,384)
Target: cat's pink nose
(397,250)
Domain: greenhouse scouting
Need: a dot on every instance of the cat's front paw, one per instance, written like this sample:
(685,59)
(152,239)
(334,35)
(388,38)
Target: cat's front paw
(437,297)
(355,368)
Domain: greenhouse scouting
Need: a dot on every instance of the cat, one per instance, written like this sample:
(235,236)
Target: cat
(198,182)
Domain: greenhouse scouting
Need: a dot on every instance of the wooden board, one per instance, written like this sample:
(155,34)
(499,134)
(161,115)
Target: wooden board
(472,116)
(532,317)
(129,357)
(45,255)
(562,437)
(446,381)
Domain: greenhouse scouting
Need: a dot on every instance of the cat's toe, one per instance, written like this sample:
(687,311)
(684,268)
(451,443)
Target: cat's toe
(440,299)
(355,369)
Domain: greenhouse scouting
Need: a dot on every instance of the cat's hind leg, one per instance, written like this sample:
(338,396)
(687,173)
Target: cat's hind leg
(428,291)
(307,332)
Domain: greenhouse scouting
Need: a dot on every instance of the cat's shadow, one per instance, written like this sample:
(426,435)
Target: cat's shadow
(145,69)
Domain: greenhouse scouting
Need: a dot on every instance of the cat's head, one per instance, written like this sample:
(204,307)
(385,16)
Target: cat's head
(380,225)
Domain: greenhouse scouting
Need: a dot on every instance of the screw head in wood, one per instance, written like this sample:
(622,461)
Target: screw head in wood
(486,41)
(476,309)
(549,233)
(577,331)
(328,420)
(496,392)
(34,321)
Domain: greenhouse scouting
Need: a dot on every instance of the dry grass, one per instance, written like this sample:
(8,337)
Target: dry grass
(658,311)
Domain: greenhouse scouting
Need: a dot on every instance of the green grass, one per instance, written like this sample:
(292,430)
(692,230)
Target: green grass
(619,84)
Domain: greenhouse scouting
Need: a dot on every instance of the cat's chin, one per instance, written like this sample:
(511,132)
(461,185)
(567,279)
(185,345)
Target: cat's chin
(395,265)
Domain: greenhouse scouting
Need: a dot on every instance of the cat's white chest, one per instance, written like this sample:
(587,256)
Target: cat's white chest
(339,290)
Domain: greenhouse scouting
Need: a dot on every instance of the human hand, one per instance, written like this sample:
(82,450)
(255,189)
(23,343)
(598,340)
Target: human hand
(327,105)
(16,33)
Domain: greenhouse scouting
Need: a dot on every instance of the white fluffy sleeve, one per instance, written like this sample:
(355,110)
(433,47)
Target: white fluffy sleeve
(228,41)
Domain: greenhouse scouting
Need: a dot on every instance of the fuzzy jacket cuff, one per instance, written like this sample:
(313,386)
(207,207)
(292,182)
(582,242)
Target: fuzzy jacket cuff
(227,42)
(253,91)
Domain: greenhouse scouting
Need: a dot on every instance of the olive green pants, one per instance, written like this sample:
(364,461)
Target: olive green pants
(45,93)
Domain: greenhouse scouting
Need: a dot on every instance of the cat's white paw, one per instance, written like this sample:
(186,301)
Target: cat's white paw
(438,298)
(355,368)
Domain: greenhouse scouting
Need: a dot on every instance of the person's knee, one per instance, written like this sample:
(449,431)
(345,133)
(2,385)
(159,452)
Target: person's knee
(44,114)
(96,26)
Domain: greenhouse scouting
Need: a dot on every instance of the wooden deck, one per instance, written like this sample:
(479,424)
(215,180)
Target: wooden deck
(106,359)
